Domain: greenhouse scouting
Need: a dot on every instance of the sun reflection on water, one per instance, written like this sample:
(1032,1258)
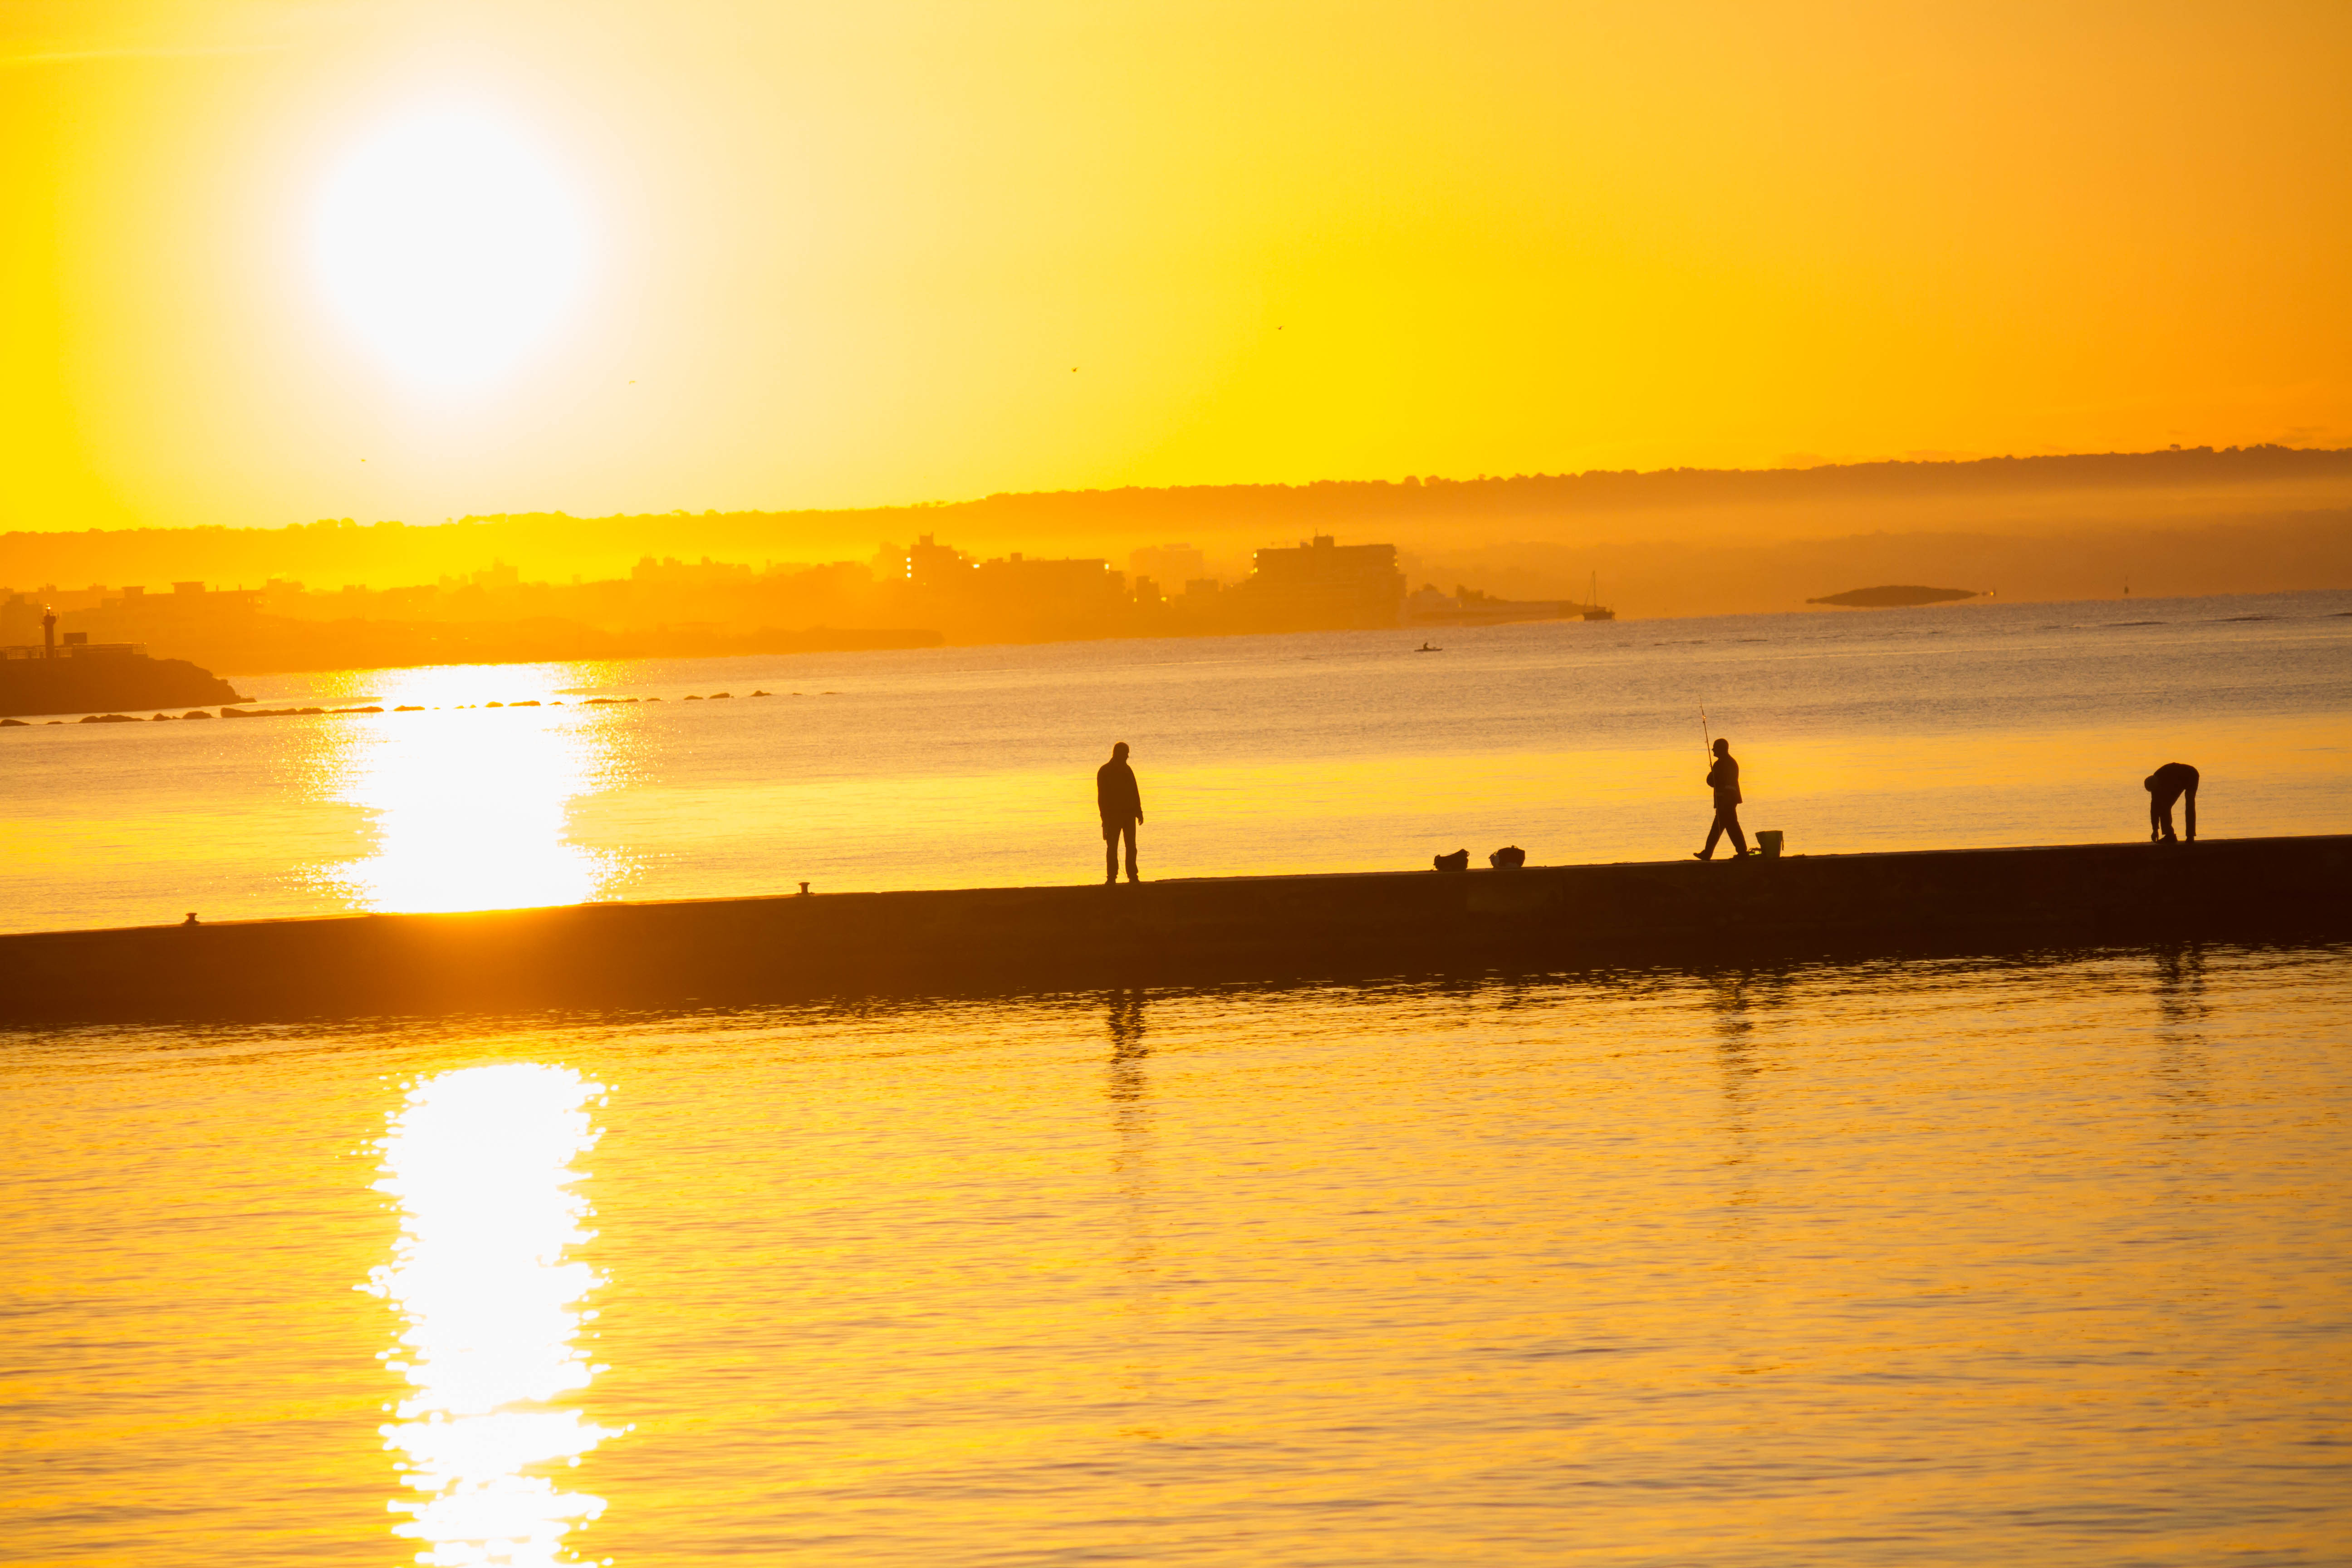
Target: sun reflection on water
(481,1162)
(471,805)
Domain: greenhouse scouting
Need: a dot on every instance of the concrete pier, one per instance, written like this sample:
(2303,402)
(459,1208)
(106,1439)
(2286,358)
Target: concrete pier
(996,939)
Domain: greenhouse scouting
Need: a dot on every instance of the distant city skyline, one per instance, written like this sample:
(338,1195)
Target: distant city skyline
(1678,542)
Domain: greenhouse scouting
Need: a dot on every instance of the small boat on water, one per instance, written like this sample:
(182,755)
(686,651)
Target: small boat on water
(1594,610)
(1426,649)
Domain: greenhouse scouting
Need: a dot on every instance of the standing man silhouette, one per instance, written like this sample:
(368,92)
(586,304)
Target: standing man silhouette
(1724,779)
(2164,786)
(1121,804)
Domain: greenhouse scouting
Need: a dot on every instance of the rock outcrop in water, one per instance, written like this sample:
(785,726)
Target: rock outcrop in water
(89,684)
(1897,596)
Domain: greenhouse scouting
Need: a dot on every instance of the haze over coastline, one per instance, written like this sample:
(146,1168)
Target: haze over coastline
(1669,542)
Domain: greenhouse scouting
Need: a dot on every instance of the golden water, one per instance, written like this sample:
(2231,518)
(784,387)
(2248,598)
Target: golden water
(2027,1261)
(961,767)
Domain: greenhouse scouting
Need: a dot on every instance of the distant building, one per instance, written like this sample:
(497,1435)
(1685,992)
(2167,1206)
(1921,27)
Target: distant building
(1326,584)
(934,565)
(1168,563)
(1474,607)
(130,617)
(75,644)
(704,572)
(1027,590)
(1068,583)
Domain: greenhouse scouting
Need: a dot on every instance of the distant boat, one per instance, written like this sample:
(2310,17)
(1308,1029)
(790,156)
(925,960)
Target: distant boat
(1426,649)
(1594,610)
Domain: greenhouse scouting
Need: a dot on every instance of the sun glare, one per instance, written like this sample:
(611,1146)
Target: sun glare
(450,244)
(481,1162)
(472,805)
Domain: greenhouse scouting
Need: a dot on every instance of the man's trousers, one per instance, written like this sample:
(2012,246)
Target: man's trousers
(1727,820)
(1112,832)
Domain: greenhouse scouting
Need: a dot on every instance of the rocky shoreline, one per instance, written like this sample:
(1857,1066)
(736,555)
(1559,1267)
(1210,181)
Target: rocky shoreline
(102,685)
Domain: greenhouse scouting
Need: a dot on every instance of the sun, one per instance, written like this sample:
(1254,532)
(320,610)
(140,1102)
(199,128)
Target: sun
(451,246)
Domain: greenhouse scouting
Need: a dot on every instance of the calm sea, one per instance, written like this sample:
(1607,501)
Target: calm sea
(2039,1260)
(2017,724)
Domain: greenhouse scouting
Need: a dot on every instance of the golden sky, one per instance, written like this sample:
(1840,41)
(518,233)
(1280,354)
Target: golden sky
(271,261)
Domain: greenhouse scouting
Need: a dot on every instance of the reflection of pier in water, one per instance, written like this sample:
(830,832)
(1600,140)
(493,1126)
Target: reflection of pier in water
(1734,998)
(1128,1089)
(2182,1074)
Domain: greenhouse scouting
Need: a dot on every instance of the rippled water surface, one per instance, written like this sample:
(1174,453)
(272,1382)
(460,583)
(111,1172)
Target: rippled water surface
(1346,751)
(2038,1261)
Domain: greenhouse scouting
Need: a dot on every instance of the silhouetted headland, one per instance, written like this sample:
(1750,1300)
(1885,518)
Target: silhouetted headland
(727,952)
(82,677)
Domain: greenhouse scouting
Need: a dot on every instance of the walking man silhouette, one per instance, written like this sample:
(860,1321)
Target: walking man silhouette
(2164,786)
(1121,804)
(1724,779)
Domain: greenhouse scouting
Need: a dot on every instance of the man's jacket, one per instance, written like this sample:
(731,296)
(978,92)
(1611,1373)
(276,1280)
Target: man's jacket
(1115,795)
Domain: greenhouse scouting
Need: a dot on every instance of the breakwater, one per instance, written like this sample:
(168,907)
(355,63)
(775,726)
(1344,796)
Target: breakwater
(736,951)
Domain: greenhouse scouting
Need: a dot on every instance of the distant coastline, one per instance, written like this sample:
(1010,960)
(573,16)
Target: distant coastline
(342,551)
(1079,565)
(85,680)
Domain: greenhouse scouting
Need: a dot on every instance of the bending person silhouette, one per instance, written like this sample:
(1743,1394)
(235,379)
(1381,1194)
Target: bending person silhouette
(1121,804)
(1724,779)
(2164,786)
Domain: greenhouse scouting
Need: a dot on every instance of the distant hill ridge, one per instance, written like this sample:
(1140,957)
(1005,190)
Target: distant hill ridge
(1593,489)
(1602,489)
(552,543)
(1371,501)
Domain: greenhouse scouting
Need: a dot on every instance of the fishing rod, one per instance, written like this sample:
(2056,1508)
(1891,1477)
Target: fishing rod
(1703,732)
